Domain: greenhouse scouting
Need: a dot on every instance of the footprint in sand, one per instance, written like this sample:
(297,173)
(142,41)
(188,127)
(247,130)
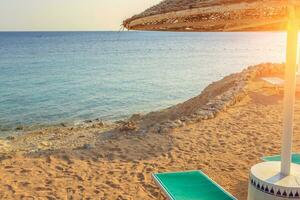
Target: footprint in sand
(49,159)
(59,168)
(97,191)
(51,197)
(81,188)
(110,172)
(111,184)
(67,159)
(78,177)
(25,171)
(148,169)
(141,177)
(24,184)
(90,178)
(10,188)
(27,197)
(48,182)
(40,189)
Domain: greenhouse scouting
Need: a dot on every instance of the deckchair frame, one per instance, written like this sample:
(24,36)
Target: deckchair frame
(265,160)
(169,196)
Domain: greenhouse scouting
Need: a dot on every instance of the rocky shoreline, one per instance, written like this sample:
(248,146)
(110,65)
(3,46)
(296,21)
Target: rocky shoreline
(215,99)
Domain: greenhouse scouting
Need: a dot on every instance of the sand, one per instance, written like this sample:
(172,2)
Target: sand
(101,162)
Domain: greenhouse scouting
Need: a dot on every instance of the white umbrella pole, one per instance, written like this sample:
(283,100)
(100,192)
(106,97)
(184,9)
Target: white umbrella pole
(289,93)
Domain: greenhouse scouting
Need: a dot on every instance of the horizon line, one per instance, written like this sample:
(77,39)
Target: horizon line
(62,30)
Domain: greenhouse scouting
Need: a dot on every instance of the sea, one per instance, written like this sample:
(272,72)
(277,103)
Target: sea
(48,78)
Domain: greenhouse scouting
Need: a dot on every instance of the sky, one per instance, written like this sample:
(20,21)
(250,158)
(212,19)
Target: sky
(68,15)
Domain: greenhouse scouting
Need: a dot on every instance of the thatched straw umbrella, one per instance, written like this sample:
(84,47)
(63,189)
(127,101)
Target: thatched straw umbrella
(268,180)
(212,15)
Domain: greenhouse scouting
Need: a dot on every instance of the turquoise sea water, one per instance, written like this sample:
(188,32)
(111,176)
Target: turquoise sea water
(53,77)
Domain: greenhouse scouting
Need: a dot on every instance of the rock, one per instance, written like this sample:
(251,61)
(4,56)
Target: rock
(183,119)
(19,128)
(88,146)
(210,115)
(170,124)
(160,128)
(199,112)
(88,121)
(207,114)
(45,143)
(199,119)
(174,125)
(128,126)
(163,130)
(179,123)
(63,125)
(194,115)
(10,138)
(101,123)
(155,129)
(120,122)
(135,117)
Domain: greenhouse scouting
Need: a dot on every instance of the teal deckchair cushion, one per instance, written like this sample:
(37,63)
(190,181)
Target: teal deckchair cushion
(295,158)
(191,185)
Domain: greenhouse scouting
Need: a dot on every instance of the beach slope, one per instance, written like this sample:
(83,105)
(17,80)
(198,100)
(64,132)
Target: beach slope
(223,131)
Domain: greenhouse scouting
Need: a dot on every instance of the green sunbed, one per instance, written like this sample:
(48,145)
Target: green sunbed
(190,185)
(295,158)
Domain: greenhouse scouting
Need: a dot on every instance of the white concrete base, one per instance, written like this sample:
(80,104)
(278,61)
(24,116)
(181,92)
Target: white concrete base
(267,183)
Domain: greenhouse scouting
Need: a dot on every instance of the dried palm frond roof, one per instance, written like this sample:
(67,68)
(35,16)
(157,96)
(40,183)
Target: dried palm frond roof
(212,15)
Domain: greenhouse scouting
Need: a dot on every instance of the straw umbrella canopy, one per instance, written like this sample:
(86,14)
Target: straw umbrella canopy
(240,15)
(213,15)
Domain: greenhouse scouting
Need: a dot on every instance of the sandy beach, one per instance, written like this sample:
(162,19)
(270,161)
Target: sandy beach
(223,131)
